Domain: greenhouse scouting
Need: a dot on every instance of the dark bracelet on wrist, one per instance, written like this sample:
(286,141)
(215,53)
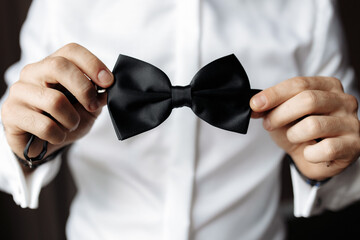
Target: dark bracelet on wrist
(34,162)
(309,181)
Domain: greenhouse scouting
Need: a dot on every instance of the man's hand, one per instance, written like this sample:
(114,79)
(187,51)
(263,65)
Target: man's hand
(37,104)
(314,121)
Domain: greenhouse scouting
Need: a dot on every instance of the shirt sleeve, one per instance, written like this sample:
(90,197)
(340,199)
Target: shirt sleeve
(34,43)
(327,57)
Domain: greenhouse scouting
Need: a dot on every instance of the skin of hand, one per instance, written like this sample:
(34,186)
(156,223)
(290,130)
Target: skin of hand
(314,121)
(36,103)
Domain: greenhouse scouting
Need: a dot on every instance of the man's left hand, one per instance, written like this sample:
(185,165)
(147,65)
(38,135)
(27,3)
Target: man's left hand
(314,121)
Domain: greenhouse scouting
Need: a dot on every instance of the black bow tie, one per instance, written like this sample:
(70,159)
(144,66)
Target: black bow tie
(142,97)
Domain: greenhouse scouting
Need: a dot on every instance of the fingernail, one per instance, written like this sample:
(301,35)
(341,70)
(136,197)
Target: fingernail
(104,77)
(259,100)
(73,129)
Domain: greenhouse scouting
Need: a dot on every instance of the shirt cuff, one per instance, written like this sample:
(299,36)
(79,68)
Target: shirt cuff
(339,192)
(304,194)
(24,189)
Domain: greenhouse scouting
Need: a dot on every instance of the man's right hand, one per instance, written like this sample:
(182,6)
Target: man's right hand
(40,92)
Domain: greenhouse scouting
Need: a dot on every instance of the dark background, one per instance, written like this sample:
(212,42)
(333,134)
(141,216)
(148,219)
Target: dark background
(48,221)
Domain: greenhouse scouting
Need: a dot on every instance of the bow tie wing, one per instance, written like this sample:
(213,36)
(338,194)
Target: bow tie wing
(221,94)
(139,99)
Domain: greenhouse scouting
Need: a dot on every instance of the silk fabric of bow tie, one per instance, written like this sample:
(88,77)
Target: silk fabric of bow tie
(142,96)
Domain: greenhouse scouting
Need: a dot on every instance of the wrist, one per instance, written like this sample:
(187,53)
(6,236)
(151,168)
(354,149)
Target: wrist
(29,164)
(309,181)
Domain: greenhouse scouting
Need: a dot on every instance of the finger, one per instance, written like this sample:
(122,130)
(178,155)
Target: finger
(274,96)
(305,103)
(48,100)
(256,115)
(27,120)
(59,70)
(331,149)
(88,63)
(316,127)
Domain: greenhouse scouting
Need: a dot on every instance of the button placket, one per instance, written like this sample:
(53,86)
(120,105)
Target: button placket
(179,185)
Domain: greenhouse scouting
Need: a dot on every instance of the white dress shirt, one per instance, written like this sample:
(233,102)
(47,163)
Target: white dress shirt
(184,179)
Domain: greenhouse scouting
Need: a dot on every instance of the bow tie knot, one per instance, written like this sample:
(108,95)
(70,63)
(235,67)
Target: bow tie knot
(181,96)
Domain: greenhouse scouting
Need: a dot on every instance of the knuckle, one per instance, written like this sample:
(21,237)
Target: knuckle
(309,99)
(50,130)
(76,77)
(93,62)
(59,63)
(87,91)
(70,47)
(58,103)
(14,89)
(25,71)
(300,83)
(17,90)
(47,127)
(271,93)
(30,120)
(336,83)
(351,102)
(313,125)
(6,110)
(355,123)
(56,100)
